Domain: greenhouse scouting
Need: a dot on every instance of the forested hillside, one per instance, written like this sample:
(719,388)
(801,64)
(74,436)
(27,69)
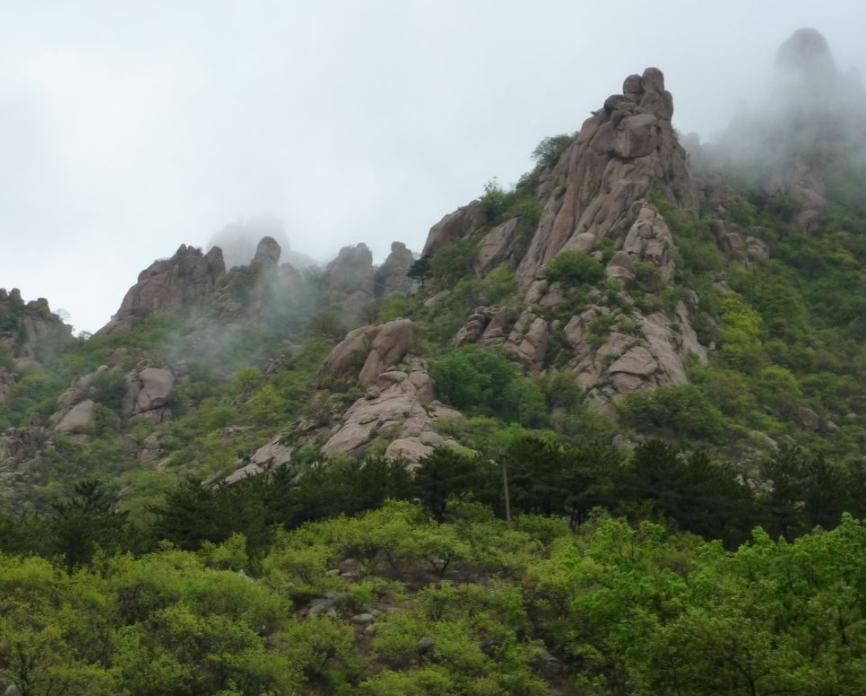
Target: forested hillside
(605,434)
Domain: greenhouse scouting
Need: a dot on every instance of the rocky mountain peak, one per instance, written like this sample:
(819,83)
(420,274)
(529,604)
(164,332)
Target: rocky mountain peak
(29,331)
(267,253)
(169,284)
(806,56)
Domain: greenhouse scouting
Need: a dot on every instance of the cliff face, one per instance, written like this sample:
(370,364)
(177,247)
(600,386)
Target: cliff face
(597,193)
(599,185)
(28,329)
(620,269)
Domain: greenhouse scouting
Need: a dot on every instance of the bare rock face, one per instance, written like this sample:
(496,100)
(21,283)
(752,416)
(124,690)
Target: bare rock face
(648,240)
(267,254)
(269,456)
(28,329)
(370,350)
(391,276)
(350,280)
(461,223)
(522,336)
(496,246)
(599,186)
(78,419)
(186,278)
(150,393)
(399,407)
(638,352)
(737,245)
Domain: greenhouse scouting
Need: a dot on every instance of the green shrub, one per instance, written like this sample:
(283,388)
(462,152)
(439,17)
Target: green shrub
(681,410)
(574,268)
(549,150)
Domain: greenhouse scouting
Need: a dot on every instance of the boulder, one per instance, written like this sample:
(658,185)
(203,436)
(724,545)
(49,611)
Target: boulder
(151,389)
(401,408)
(408,449)
(370,350)
(457,225)
(78,419)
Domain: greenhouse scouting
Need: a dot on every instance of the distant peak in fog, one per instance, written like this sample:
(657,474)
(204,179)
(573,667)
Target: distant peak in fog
(239,241)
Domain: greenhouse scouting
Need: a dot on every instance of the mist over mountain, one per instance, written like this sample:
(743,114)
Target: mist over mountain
(604,432)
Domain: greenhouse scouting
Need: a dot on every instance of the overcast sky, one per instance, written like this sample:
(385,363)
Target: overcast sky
(129,128)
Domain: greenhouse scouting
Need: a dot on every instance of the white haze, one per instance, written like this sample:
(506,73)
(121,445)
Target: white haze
(129,128)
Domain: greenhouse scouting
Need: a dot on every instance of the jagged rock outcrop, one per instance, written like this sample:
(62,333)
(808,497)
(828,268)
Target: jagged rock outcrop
(496,246)
(267,254)
(369,350)
(351,282)
(600,185)
(18,444)
(636,352)
(522,336)
(169,284)
(239,242)
(461,223)
(648,240)
(269,456)
(737,245)
(400,405)
(29,329)
(391,276)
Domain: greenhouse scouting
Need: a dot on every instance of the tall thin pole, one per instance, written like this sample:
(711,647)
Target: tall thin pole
(505,491)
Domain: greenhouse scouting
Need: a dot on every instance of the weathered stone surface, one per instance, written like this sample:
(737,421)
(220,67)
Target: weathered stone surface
(461,223)
(152,388)
(78,419)
(649,240)
(16,444)
(495,247)
(402,409)
(598,186)
(373,348)
(391,276)
(186,278)
(409,449)
(269,456)
(652,354)
(30,326)
(521,336)
(267,254)
(151,448)
(351,282)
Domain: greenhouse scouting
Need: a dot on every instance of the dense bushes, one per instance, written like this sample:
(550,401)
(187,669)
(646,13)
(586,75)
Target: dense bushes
(682,411)
(574,268)
(471,605)
(483,380)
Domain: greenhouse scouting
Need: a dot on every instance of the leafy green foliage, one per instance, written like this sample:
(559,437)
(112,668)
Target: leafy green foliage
(482,379)
(574,268)
(549,150)
(682,410)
